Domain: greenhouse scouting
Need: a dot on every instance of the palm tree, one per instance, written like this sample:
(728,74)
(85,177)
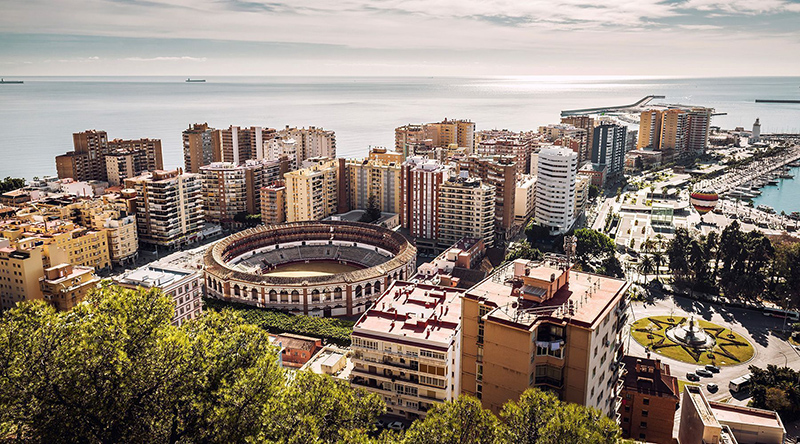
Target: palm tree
(658,259)
(646,266)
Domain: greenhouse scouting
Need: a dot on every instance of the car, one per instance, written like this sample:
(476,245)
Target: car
(712,388)
(396,426)
(692,377)
(712,368)
(703,372)
(380,424)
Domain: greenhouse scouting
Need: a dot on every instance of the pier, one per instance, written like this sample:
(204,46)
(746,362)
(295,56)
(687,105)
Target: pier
(611,109)
(776,101)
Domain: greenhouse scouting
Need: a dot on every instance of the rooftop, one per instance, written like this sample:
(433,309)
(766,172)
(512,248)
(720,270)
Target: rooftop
(418,312)
(150,276)
(729,413)
(584,299)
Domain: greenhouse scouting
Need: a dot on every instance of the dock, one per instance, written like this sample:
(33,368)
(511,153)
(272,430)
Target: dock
(776,101)
(612,109)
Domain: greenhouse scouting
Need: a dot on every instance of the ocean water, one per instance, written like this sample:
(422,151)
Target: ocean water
(783,197)
(38,118)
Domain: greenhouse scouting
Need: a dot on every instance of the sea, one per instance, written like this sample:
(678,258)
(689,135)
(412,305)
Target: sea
(38,117)
(782,197)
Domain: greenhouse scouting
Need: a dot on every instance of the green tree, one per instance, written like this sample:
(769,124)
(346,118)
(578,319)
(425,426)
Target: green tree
(646,266)
(677,254)
(459,421)
(594,191)
(787,271)
(373,212)
(776,388)
(611,267)
(11,184)
(592,245)
(523,250)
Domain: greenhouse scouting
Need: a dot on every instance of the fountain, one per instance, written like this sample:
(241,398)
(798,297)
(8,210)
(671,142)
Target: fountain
(691,335)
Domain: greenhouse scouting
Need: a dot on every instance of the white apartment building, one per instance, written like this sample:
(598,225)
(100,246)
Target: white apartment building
(184,286)
(311,142)
(466,209)
(169,207)
(555,188)
(408,348)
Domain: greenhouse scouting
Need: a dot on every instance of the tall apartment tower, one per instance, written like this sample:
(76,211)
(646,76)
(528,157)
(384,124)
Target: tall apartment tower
(507,143)
(379,176)
(674,128)
(699,124)
(466,209)
(230,189)
(273,203)
(312,193)
(198,147)
(20,271)
(587,123)
(408,139)
(130,158)
(609,148)
(650,130)
(407,348)
(310,142)
(87,160)
(501,173)
(420,182)
(555,188)
(237,145)
(169,207)
(539,324)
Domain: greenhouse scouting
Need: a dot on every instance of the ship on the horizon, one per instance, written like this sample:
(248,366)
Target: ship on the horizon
(190,80)
(11,81)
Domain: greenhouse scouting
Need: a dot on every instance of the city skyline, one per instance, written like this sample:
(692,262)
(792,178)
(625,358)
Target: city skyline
(359,37)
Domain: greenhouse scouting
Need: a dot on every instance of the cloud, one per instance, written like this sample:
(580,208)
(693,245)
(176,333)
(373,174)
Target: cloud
(746,7)
(165,59)
(700,27)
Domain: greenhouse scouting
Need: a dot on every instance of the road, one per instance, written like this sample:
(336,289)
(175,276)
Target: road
(754,326)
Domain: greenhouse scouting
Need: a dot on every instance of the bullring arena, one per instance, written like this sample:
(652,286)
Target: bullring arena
(325,268)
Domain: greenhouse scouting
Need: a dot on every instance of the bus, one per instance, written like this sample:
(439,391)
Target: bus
(740,383)
(778,313)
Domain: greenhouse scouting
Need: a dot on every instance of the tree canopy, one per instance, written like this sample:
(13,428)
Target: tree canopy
(11,183)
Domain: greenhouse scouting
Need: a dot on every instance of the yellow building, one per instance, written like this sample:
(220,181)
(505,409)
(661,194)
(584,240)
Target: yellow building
(650,130)
(539,324)
(119,226)
(312,193)
(20,270)
(379,176)
(674,130)
(66,286)
(62,242)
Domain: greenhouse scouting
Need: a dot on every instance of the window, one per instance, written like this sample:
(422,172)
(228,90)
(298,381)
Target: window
(646,401)
(625,420)
(643,425)
(642,436)
(645,413)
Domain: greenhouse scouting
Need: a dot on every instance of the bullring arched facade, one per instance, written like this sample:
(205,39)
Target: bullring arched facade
(382,254)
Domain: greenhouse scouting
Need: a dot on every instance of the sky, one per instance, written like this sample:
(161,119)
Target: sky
(687,38)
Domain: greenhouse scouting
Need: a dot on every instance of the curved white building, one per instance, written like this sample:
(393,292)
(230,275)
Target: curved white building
(557,169)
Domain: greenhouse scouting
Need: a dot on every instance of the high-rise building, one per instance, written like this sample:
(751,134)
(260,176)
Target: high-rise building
(582,184)
(609,148)
(500,172)
(555,188)
(586,123)
(415,140)
(89,160)
(378,176)
(198,147)
(236,144)
(230,189)
(524,199)
(273,203)
(674,128)
(119,223)
(650,130)
(411,139)
(539,324)
(575,138)
(407,348)
(466,210)
(699,123)
(312,193)
(311,142)
(169,207)
(420,182)
(66,285)
(507,143)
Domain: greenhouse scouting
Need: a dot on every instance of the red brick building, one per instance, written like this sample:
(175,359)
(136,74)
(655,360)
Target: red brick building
(649,400)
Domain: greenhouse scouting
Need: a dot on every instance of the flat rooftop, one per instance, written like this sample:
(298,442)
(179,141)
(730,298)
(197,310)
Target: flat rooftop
(150,276)
(421,312)
(728,413)
(584,299)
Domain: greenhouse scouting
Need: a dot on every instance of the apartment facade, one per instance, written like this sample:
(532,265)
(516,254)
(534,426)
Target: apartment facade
(88,161)
(407,348)
(66,285)
(169,207)
(649,400)
(378,176)
(555,188)
(609,148)
(312,193)
(587,123)
(20,271)
(507,143)
(650,130)
(420,182)
(183,286)
(524,199)
(539,324)
(119,224)
(198,147)
(230,189)
(501,173)
(273,203)
(466,210)
(311,142)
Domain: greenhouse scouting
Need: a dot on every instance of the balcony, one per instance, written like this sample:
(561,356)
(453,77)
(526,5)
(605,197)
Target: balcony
(548,381)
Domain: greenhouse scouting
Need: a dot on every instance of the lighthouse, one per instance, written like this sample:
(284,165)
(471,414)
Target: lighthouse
(756,137)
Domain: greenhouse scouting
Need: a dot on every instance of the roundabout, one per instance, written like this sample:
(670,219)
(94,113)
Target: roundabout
(692,341)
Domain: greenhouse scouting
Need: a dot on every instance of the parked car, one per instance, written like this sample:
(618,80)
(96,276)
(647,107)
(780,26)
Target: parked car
(381,424)
(712,368)
(703,372)
(692,377)
(712,388)
(397,426)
